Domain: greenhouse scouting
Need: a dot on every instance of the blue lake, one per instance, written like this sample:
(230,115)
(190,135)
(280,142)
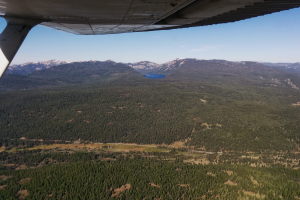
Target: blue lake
(155,76)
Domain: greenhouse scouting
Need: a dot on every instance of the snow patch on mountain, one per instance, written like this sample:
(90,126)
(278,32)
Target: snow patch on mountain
(144,65)
(30,67)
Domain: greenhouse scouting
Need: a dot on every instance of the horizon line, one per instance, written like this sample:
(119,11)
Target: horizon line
(160,63)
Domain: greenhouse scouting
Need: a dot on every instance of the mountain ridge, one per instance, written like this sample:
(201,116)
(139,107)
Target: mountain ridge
(30,67)
(58,73)
(141,66)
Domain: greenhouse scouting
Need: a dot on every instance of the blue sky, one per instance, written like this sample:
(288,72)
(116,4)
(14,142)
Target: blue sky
(271,38)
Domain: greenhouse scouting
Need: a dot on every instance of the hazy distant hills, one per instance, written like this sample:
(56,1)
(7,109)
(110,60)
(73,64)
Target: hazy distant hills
(145,66)
(290,67)
(150,67)
(56,73)
(28,68)
(225,72)
(45,75)
(79,72)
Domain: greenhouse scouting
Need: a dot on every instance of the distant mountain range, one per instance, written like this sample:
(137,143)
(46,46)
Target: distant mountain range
(291,67)
(142,67)
(56,73)
(28,68)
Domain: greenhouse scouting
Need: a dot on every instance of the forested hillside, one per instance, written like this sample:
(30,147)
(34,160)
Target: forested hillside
(212,104)
(76,73)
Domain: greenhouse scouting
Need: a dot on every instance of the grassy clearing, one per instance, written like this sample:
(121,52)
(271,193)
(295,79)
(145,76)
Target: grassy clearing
(109,147)
(177,150)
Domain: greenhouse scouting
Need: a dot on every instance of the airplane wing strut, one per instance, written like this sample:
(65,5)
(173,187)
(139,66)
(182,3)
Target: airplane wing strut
(11,39)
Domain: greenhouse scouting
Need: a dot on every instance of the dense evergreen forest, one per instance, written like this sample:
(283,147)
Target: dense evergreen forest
(85,176)
(216,117)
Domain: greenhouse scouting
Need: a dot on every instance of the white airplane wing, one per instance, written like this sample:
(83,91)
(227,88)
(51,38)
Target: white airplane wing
(120,16)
